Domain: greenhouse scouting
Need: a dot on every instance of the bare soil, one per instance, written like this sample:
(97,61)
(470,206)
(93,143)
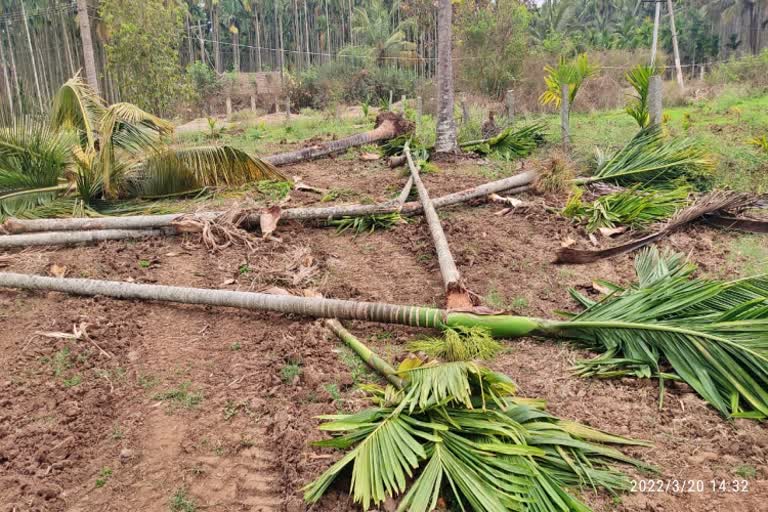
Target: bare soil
(218,406)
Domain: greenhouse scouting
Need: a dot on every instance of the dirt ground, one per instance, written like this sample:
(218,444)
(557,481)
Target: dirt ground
(165,405)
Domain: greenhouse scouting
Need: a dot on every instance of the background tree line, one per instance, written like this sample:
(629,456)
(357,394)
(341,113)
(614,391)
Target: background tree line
(142,50)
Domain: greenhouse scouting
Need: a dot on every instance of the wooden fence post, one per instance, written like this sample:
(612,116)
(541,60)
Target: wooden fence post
(509,100)
(565,112)
(287,107)
(419,112)
(464,110)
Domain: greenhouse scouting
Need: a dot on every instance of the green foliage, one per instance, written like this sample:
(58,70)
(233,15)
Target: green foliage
(459,344)
(634,207)
(143,49)
(639,77)
(381,36)
(572,73)
(203,82)
(459,423)
(367,223)
(289,372)
(274,190)
(182,396)
(104,476)
(650,157)
(182,502)
(500,36)
(760,142)
(511,143)
(749,69)
(669,325)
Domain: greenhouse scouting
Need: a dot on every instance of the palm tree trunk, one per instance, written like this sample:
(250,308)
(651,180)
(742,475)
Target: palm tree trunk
(445,141)
(506,326)
(14,70)
(655,41)
(32,58)
(258,42)
(327,33)
(216,42)
(88,54)
(455,291)
(190,44)
(306,34)
(282,47)
(676,50)
(67,48)
(236,51)
(202,42)
(366,354)
(8,91)
(388,126)
(514,184)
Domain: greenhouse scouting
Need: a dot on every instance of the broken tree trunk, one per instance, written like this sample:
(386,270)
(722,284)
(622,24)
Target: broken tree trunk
(365,353)
(456,293)
(388,126)
(76,237)
(514,184)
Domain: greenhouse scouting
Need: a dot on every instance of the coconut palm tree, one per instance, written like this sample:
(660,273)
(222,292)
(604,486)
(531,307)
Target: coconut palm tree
(92,152)
(445,141)
(85,37)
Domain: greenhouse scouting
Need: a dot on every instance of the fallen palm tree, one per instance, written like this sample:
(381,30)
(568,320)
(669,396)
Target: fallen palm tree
(388,126)
(709,204)
(725,324)
(456,293)
(26,232)
(459,422)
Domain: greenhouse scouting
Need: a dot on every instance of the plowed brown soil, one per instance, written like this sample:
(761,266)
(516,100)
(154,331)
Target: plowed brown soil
(201,404)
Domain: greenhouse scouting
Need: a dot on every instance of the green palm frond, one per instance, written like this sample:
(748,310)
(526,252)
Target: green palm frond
(634,207)
(367,223)
(511,143)
(711,334)
(179,170)
(477,453)
(77,107)
(639,78)
(34,160)
(573,73)
(459,344)
(651,158)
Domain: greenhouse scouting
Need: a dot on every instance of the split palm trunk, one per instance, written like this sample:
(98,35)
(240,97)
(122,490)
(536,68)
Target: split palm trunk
(456,293)
(388,126)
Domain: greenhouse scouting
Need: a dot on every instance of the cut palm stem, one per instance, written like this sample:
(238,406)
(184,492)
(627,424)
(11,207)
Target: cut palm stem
(515,184)
(366,354)
(456,293)
(79,237)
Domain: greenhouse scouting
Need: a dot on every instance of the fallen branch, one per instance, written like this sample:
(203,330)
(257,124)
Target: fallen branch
(456,293)
(76,237)
(388,126)
(365,353)
(712,203)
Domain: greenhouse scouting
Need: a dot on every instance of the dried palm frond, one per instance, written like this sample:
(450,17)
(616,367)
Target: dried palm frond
(78,107)
(710,203)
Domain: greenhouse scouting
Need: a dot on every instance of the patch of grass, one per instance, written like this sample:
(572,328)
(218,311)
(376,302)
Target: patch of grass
(342,194)
(274,190)
(746,471)
(750,254)
(230,409)
(182,396)
(117,433)
(289,372)
(61,361)
(244,269)
(235,346)
(144,263)
(333,391)
(357,368)
(147,381)
(103,478)
(73,381)
(182,502)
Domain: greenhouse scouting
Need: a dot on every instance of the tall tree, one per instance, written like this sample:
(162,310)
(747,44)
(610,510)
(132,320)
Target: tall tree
(445,141)
(85,36)
(32,57)
(8,91)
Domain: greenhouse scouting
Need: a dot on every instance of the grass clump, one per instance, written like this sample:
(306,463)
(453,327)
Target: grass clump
(289,372)
(182,502)
(103,478)
(182,396)
(459,344)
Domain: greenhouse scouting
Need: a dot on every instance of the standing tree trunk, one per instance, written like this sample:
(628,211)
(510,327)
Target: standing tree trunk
(8,91)
(306,34)
(190,43)
(655,41)
(216,42)
(258,42)
(280,33)
(32,57)
(446,125)
(565,116)
(455,292)
(202,42)
(236,50)
(88,53)
(327,33)
(65,33)
(14,70)
(675,48)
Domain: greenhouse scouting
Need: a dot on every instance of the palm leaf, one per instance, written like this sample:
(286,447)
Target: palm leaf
(712,334)
(77,107)
(177,170)
(511,143)
(459,344)
(651,158)
(639,78)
